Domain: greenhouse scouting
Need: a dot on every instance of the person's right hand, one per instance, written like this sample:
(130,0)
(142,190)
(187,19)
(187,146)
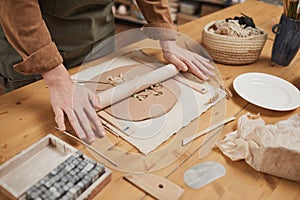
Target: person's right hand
(77,102)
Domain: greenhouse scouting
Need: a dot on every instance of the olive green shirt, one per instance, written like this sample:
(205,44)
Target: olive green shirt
(43,31)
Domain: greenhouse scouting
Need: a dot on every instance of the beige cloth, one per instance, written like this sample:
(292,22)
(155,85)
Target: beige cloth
(268,148)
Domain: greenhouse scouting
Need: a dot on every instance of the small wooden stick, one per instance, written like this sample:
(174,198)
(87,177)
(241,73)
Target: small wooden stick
(109,127)
(214,98)
(187,140)
(90,147)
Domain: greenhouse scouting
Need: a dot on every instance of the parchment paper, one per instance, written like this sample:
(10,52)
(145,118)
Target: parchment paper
(148,134)
(269,148)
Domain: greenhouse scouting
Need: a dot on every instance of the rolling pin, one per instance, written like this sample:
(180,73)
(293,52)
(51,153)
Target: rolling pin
(128,88)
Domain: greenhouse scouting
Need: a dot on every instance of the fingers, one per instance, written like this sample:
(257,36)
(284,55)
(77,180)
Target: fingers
(198,66)
(205,62)
(75,124)
(202,67)
(92,115)
(96,122)
(197,72)
(59,119)
(202,58)
(79,105)
(85,124)
(194,68)
(81,120)
(176,61)
(186,60)
(84,118)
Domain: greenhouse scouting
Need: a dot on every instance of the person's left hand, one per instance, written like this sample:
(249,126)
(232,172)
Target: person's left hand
(74,101)
(186,60)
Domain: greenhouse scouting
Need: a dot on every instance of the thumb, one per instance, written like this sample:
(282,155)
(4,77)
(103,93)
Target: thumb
(95,100)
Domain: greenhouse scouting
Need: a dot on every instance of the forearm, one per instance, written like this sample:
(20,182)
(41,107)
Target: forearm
(156,11)
(26,31)
(57,76)
(159,23)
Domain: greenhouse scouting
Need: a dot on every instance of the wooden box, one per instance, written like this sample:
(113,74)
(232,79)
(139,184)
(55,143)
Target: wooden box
(25,169)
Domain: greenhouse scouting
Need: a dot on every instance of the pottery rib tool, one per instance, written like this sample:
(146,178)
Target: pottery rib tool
(203,173)
(156,186)
(187,140)
(90,147)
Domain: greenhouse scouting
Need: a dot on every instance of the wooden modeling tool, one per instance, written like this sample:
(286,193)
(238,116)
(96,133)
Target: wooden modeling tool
(117,128)
(156,186)
(189,139)
(90,147)
(109,127)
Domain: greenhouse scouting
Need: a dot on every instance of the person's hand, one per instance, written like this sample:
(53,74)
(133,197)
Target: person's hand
(186,60)
(76,102)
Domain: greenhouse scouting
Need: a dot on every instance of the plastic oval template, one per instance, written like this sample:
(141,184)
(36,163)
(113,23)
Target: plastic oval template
(201,174)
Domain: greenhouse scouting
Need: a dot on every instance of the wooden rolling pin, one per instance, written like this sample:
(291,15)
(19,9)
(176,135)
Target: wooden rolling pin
(126,89)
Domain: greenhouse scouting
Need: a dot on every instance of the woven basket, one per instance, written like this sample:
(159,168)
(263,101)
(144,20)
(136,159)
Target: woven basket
(233,50)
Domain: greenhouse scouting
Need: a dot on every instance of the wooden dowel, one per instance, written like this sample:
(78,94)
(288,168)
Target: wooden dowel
(187,140)
(90,147)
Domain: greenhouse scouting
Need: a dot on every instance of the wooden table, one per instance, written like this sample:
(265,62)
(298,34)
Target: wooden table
(26,117)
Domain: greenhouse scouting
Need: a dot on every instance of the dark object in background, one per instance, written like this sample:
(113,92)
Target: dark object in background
(244,20)
(287,40)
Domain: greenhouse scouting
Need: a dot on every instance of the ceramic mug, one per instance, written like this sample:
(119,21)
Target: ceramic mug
(287,40)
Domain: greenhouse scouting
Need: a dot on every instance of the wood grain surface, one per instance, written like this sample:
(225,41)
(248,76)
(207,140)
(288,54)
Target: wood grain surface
(26,117)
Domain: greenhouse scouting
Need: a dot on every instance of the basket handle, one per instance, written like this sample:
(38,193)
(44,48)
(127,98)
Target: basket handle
(276,28)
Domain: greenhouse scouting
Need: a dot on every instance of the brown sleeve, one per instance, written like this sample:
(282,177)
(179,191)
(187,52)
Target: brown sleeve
(26,31)
(157,14)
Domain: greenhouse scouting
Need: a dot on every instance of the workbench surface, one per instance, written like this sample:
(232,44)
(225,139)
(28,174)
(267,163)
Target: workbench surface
(26,117)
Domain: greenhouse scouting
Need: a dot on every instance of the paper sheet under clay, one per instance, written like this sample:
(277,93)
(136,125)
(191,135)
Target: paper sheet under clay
(147,135)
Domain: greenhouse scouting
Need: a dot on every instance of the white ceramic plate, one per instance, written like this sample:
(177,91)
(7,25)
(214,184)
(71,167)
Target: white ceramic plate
(267,91)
